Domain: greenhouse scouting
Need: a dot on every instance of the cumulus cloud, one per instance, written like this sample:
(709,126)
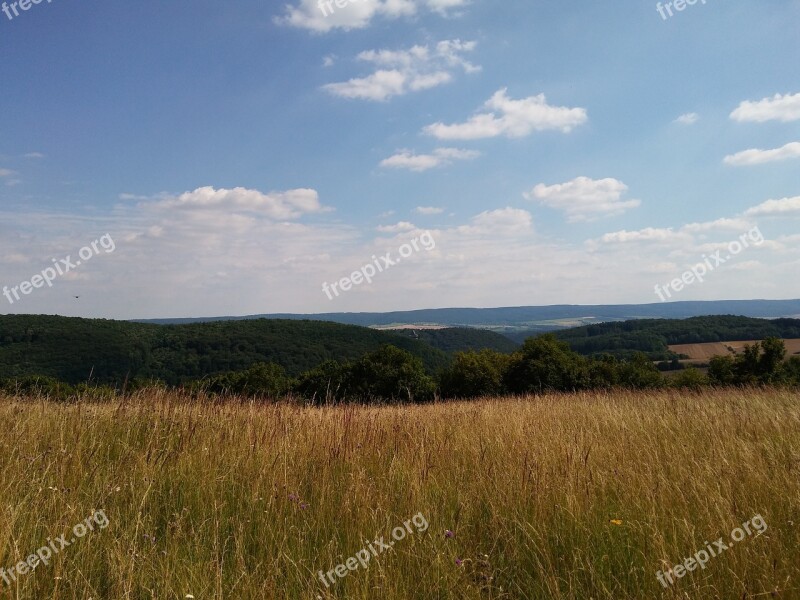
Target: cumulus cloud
(358,14)
(649,234)
(503,221)
(724,224)
(287,205)
(171,261)
(428,210)
(756,156)
(780,107)
(399,72)
(584,199)
(397,227)
(772,208)
(504,116)
(405,159)
(688,119)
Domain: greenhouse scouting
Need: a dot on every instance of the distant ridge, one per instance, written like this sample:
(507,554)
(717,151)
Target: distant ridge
(535,317)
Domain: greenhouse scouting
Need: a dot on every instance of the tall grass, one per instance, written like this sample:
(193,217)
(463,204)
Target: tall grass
(567,497)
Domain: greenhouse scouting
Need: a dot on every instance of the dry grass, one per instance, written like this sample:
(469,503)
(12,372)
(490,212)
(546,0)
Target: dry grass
(198,496)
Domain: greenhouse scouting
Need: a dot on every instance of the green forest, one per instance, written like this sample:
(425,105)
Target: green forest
(328,362)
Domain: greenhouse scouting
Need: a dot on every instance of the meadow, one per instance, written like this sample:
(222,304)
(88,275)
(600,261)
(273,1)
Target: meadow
(582,496)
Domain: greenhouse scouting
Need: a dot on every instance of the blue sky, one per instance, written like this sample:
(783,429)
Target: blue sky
(242,154)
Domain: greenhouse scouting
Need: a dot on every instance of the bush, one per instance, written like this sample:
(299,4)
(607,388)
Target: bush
(546,364)
(324,384)
(474,374)
(38,386)
(263,380)
(690,378)
(640,373)
(388,374)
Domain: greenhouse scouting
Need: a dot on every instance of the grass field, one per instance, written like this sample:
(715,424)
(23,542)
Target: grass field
(580,497)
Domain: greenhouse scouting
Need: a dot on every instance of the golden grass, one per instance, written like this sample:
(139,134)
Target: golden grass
(198,496)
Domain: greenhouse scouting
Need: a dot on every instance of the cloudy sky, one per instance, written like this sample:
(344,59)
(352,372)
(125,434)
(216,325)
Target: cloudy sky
(243,154)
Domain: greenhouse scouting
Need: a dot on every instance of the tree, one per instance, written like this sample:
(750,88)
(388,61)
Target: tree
(770,363)
(546,364)
(390,374)
(387,374)
(720,370)
(690,378)
(475,374)
(640,373)
(326,383)
(260,380)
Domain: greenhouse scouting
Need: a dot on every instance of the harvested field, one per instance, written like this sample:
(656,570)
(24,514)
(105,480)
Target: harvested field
(705,352)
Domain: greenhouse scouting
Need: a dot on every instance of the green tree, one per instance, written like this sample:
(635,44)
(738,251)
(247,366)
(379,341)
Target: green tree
(690,378)
(391,374)
(721,370)
(475,374)
(640,373)
(546,364)
(260,380)
(770,363)
(326,383)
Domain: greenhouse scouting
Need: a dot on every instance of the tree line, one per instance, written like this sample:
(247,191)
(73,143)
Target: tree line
(543,364)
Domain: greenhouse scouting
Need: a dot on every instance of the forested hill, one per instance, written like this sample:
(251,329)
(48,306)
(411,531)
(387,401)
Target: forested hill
(459,339)
(72,349)
(654,335)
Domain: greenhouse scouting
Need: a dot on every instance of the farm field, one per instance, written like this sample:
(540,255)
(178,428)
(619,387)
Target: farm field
(707,351)
(560,496)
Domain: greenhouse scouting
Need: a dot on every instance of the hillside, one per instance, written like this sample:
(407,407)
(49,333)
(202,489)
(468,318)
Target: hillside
(536,319)
(72,349)
(655,336)
(458,339)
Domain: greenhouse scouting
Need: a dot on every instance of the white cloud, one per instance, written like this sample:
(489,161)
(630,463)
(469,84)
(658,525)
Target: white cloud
(584,199)
(648,234)
(503,221)
(287,205)
(329,60)
(688,119)
(783,108)
(401,72)
(7,173)
(172,262)
(34,155)
(397,227)
(718,225)
(756,156)
(428,210)
(358,14)
(782,207)
(504,116)
(405,159)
